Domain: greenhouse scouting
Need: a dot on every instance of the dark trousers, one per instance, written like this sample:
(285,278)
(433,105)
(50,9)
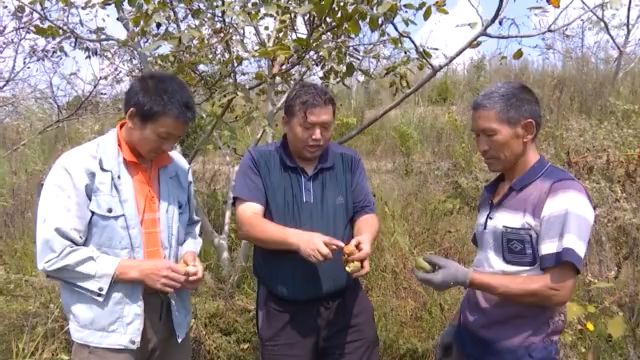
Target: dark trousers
(340,326)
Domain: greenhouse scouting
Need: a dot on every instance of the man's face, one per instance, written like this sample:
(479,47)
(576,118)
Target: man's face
(309,136)
(156,137)
(500,144)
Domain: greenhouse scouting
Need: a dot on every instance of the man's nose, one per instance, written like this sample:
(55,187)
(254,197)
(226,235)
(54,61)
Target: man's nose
(482,146)
(317,134)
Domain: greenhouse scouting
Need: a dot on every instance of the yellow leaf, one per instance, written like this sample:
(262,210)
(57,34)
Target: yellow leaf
(574,311)
(517,55)
(616,326)
(589,326)
(554,3)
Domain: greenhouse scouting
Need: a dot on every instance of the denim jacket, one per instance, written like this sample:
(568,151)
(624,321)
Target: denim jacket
(88,220)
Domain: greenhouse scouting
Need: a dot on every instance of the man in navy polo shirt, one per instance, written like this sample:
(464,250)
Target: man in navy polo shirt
(299,201)
(532,231)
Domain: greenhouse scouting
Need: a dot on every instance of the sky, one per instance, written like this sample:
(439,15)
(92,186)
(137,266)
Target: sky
(441,31)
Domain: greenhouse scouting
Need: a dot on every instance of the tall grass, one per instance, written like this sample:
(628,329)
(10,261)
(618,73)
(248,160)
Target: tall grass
(426,178)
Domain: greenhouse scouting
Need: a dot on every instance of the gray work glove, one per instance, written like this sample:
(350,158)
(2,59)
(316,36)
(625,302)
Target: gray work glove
(447,274)
(444,348)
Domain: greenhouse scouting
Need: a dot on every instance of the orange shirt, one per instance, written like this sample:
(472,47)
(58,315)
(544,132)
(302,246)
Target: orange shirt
(146,188)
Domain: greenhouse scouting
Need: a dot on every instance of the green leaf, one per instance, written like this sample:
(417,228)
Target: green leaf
(427,13)
(305,9)
(136,20)
(409,6)
(132,3)
(284,52)
(427,53)
(374,22)
(574,311)
(616,326)
(591,308)
(302,42)
(442,10)
(354,26)
(350,70)
(48,31)
(264,53)
(518,54)
(385,7)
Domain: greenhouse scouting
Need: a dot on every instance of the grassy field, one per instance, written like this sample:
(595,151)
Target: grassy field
(426,177)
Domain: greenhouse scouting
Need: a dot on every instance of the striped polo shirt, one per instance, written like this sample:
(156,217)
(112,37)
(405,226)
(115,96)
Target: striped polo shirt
(544,219)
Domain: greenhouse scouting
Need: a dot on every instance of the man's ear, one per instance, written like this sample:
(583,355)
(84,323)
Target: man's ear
(131,116)
(529,130)
(285,120)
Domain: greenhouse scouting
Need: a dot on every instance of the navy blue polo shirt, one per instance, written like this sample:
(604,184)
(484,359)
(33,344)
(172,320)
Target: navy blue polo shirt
(328,201)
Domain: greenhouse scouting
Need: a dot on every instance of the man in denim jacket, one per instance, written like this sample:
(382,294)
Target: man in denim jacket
(117,228)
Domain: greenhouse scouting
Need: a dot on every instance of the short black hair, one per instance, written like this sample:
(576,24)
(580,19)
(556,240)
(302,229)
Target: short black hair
(155,94)
(513,101)
(305,96)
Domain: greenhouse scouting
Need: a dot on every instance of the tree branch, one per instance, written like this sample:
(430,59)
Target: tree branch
(55,124)
(209,132)
(368,122)
(549,29)
(475,7)
(629,17)
(604,23)
(137,47)
(417,48)
(102,39)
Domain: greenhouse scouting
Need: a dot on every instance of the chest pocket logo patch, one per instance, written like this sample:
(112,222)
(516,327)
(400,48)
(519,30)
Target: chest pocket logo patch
(518,247)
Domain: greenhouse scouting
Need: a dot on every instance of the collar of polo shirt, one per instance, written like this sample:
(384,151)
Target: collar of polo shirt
(531,175)
(324,161)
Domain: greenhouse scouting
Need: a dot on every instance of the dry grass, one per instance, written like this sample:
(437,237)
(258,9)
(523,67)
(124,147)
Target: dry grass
(426,178)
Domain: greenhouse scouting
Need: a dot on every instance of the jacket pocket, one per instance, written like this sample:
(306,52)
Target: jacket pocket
(108,226)
(519,246)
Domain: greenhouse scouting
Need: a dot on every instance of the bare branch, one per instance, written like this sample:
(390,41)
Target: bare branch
(372,120)
(176,18)
(604,22)
(55,124)
(549,29)
(475,7)
(629,17)
(417,48)
(209,132)
(137,47)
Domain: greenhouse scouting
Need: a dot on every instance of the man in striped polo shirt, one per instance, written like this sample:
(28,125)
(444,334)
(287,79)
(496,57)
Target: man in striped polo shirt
(532,231)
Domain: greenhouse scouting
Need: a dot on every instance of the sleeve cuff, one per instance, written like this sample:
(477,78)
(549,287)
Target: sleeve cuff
(98,285)
(362,213)
(248,198)
(565,255)
(193,244)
